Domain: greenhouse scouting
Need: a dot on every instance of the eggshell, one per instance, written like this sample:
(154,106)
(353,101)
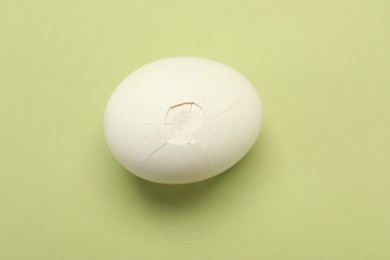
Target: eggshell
(182,119)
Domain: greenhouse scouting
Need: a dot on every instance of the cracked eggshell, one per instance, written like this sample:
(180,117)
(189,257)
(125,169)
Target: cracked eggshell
(182,119)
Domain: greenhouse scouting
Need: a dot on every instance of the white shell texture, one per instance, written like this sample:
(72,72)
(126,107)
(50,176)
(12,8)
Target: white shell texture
(182,119)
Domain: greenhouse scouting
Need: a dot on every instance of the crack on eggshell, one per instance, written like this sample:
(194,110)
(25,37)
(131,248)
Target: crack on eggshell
(182,104)
(155,151)
(224,111)
(205,152)
(171,108)
(190,104)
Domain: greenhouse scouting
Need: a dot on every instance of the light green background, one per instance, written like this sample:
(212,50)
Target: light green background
(315,186)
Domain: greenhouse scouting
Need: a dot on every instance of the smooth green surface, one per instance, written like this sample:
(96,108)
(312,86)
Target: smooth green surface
(315,186)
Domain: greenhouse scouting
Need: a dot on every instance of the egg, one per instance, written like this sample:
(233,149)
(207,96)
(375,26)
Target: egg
(182,119)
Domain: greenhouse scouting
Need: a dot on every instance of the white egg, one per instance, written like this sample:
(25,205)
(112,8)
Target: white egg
(182,119)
